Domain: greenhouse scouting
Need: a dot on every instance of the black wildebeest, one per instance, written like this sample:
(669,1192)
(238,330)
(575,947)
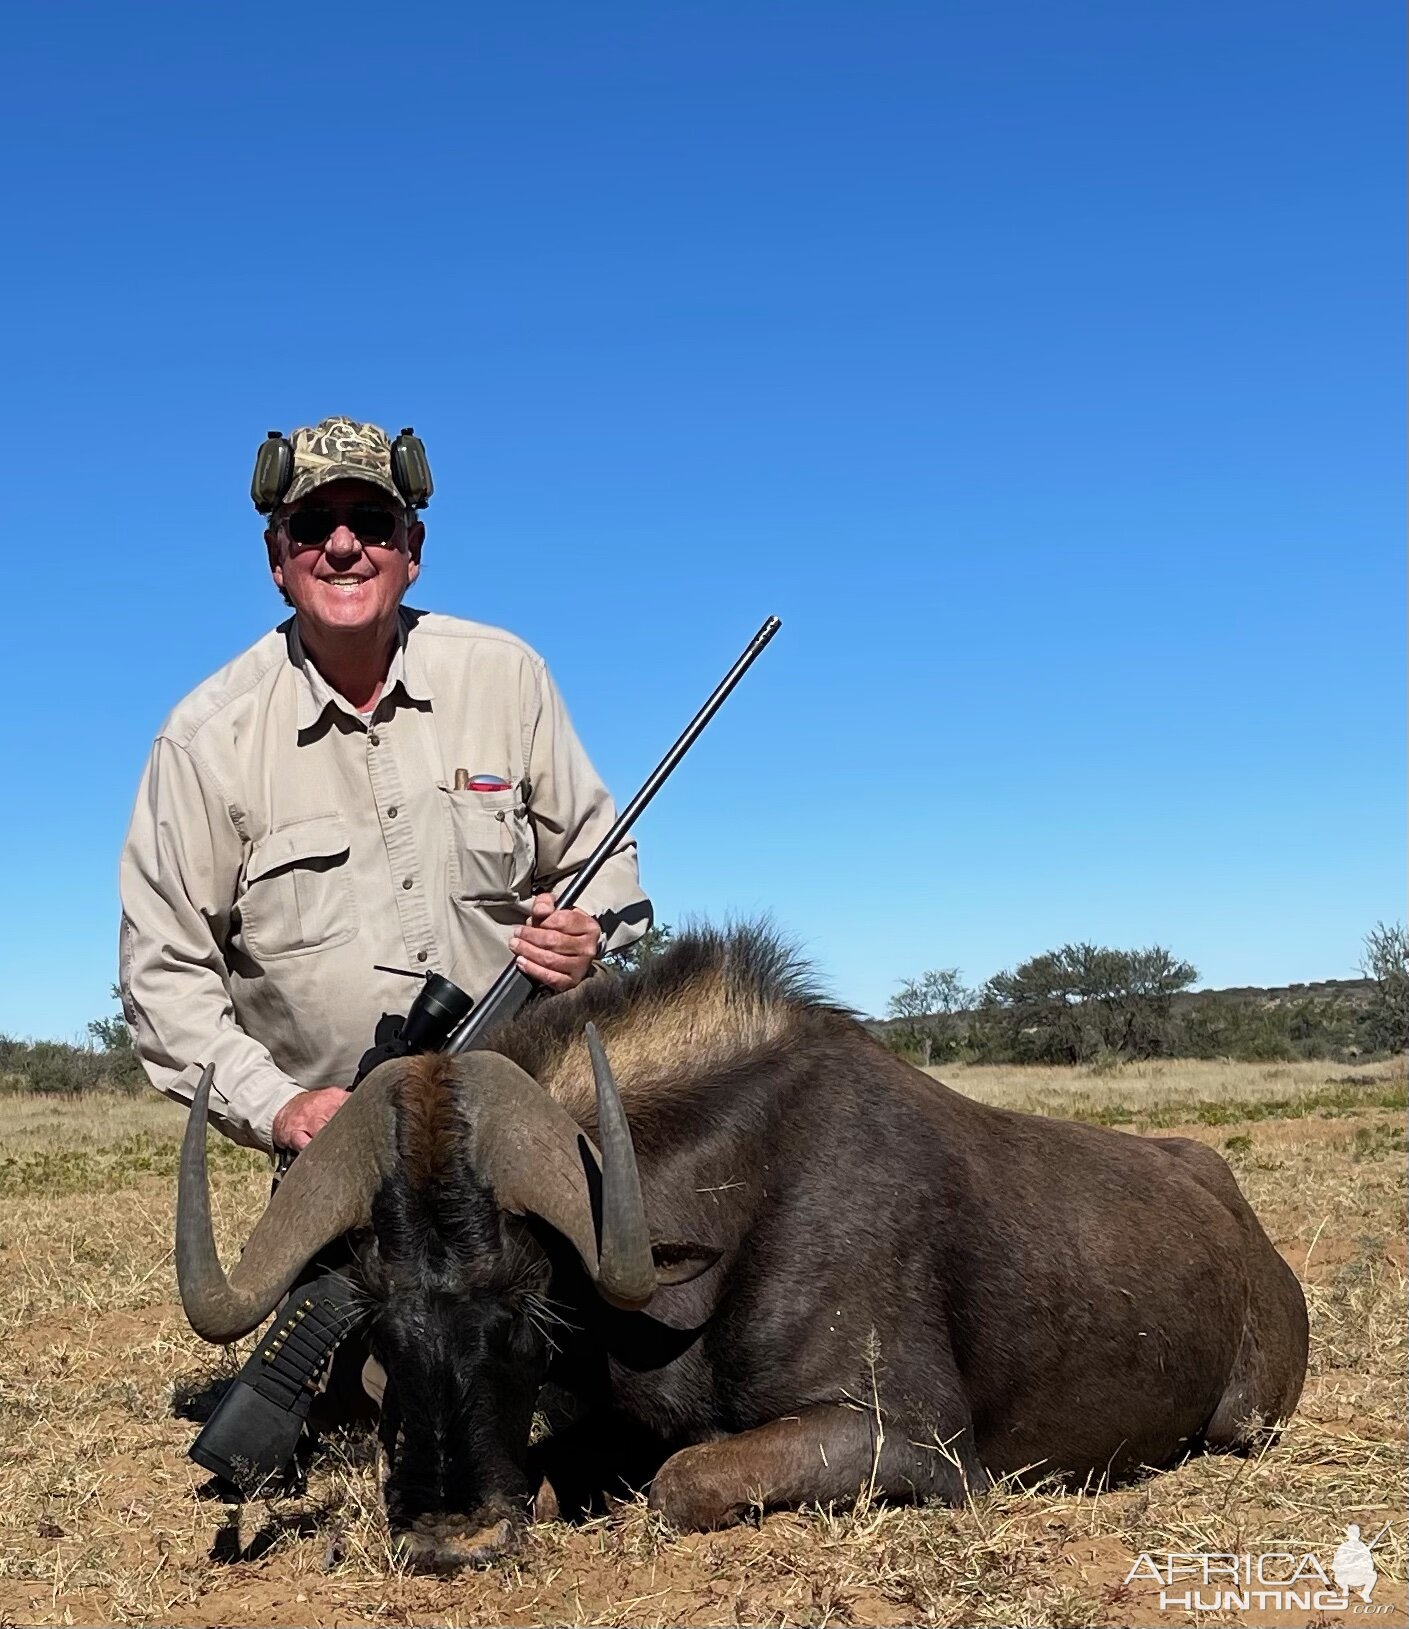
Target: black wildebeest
(816,1269)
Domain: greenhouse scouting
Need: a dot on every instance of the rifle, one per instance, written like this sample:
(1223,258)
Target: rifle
(254,1431)
(443,1018)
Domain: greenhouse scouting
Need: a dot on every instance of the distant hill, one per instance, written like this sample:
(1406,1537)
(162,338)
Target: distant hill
(1355,992)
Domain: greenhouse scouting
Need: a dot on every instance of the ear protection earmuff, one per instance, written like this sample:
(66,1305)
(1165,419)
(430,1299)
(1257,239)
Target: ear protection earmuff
(274,470)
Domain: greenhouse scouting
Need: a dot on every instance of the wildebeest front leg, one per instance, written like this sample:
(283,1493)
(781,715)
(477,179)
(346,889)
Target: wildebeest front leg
(820,1454)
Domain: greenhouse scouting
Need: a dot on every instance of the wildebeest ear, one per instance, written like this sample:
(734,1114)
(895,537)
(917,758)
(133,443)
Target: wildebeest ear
(678,1262)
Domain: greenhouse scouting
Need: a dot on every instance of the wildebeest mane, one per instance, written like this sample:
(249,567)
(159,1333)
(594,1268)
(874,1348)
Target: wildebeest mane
(713,999)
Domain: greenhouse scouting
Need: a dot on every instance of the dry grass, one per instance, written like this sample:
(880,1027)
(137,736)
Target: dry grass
(101,1521)
(28,1123)
(1183,1091)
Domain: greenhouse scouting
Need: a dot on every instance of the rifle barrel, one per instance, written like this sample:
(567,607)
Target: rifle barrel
(513,986)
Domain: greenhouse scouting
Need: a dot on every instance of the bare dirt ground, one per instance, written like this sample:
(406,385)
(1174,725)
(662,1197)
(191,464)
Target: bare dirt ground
(101,1519)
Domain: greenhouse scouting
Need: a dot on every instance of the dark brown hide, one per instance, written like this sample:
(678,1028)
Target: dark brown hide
(998,1292)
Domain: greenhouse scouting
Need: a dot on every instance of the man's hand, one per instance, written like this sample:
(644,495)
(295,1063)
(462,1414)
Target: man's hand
(304,1116)
(556,947)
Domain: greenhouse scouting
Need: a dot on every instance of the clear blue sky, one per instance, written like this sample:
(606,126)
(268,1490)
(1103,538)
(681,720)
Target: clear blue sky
(1039,364)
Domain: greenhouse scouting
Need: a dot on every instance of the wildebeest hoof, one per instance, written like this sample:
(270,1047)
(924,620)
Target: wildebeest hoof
(686,1497)
(445,1543)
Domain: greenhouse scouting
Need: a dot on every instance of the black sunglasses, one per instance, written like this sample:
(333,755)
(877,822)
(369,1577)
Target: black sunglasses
(311,528)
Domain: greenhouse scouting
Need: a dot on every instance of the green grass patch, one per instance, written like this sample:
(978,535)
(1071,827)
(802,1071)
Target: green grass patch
(117,1165)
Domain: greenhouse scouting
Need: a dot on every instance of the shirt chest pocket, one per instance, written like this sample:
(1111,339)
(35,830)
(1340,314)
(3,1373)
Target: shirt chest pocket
(298,889)
(491,845)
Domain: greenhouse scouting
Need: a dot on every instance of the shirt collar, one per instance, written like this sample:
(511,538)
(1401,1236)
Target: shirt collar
(315,695)
(410,653)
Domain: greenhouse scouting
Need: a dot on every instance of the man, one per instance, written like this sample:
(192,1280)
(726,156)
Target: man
(368,791)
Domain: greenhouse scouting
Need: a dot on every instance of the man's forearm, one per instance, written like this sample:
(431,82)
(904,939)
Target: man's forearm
(625,925)
(175,879)
(245,1097)
(185,1023)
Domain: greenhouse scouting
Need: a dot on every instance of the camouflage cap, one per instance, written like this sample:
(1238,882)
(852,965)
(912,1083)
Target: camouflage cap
(340,449)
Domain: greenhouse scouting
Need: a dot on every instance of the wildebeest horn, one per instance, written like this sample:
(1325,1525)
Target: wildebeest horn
(535,1157)
(526,1148)
(628,1274)
(321,1197)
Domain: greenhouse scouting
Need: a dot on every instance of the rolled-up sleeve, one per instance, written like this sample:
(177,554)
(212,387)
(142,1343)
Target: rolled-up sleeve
(572,812)
(177,881)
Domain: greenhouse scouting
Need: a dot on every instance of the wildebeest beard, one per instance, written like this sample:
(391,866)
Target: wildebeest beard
(462,1328)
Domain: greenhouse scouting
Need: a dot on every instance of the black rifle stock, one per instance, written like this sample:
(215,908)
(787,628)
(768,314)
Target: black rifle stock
(513,987)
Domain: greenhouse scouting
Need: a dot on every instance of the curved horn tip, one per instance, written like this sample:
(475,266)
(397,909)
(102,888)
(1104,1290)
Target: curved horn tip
(201,1096)
(625,1269)
(630,1298)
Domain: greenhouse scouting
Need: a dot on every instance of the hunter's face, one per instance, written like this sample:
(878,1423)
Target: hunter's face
(345,585)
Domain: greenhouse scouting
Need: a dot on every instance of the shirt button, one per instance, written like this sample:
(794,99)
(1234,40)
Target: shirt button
(406,882)
(498,814)
(391,812)
(420,955)
(374,738)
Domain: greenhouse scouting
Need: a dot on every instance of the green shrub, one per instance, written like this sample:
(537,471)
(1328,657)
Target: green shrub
(56,1069)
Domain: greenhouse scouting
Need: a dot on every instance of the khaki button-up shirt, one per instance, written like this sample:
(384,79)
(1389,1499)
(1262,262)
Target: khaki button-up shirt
(285,850)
